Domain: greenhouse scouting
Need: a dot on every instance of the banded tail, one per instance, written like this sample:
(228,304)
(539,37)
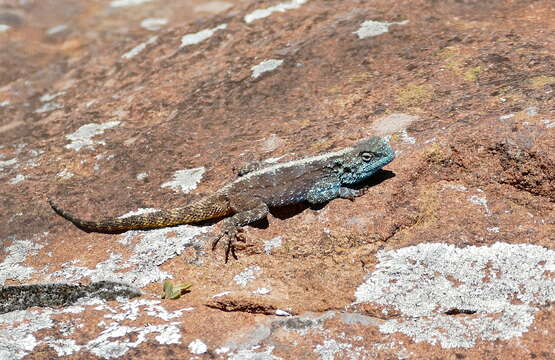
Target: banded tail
(210,207)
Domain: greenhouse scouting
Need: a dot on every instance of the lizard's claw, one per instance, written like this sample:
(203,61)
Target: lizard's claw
(351,194)
(231,234)
(357,193)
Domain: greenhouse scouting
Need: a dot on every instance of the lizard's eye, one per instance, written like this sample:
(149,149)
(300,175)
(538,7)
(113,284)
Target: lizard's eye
(366,156)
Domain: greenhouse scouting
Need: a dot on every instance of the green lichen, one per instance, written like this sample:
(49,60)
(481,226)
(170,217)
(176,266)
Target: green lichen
(361,77)
(455,62)
(472,73)
(427,206)
(448,52)
(434,153)
(414,95)
(540,81)
(455,65)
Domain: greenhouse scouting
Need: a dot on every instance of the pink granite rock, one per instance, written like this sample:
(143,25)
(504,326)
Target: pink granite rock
(450,255)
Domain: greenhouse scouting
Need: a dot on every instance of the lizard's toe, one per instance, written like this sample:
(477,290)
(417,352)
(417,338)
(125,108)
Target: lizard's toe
(231,234)
(216,241)
(357,193)
(230,248)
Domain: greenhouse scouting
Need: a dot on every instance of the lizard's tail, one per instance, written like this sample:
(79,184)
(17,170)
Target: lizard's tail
(211,207)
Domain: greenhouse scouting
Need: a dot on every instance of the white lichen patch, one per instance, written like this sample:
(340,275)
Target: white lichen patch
(4,27)
(35,157)
(123,3)
(65,174)
(247,275)
(152,249)
(19,148)
(192,39)
(225,293)
(167,333)
(18,339)
(6,163)
(213,7)
(531,111)
(56,30)
(272,160)
(137,49)
(480,201)
(16,336)
(270,143)
(48,107)
(153,24)
(548,123)
(330,348)
(99,157)
(262,291)
(5,103)
(456,187)
(265,66)
(17,179)
(373,28)
(272,244)
(185,180)
(262,13)
(501,286)
(197,347)
(63,347)
(221,350)
(11,268)
(406,138)
(50,97)
(133,309)
(115,340)
(253,353)
(506,117)
(83,136)
(343,346)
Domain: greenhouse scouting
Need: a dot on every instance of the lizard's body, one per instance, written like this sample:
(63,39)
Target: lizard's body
(316,180)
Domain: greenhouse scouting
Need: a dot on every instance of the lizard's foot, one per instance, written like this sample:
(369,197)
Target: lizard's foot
(231,234)
(351,194)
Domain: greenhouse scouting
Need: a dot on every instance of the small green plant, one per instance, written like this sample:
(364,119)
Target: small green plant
(174,292)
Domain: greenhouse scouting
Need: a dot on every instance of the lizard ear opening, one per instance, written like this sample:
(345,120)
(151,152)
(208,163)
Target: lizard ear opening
(337,167)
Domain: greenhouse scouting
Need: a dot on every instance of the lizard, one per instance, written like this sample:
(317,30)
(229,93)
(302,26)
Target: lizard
(317,180)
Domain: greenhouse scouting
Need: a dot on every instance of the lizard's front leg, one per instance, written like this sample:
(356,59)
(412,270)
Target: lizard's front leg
(247,210)
(328,190)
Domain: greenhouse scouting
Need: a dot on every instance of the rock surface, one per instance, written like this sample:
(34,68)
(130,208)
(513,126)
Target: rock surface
(113,107)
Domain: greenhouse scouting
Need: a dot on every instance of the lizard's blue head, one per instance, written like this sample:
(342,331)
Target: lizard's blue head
(366,157)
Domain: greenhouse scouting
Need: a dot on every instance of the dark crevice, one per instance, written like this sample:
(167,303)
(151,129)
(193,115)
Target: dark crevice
(241,306)
(456,311)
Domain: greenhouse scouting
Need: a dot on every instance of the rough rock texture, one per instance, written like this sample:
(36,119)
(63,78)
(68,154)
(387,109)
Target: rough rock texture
(449,256)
